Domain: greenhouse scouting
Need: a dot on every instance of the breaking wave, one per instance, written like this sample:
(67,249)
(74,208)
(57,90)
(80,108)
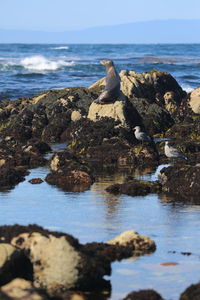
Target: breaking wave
(40,63)
(61,48)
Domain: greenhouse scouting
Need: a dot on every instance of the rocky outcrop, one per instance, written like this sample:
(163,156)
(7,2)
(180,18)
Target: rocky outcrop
(155,86)
(135,188)
(181,181)
(44,116)
(194,101)
(156,95)
(108,143)
(60,262)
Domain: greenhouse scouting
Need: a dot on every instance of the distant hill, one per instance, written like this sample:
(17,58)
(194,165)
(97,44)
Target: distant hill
(159,31)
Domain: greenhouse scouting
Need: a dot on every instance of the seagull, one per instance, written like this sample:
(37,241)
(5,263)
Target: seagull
(140,135)
(172,152)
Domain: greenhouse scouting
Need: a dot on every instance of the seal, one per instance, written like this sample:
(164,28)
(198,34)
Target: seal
(112,87)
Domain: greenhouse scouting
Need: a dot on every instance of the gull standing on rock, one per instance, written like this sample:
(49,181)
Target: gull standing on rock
(172,152)
(140,135)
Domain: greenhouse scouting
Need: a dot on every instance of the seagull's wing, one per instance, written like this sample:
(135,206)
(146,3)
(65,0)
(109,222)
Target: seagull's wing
(144,136)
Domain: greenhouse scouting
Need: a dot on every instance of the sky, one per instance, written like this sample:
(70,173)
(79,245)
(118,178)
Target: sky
(63,15)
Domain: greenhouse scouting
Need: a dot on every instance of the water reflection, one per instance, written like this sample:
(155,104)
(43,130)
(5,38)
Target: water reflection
(95,215)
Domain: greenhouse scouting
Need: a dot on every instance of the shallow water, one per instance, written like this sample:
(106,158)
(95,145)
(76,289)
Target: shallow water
(95,215)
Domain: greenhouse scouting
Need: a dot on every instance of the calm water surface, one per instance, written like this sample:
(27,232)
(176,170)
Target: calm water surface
(95,215)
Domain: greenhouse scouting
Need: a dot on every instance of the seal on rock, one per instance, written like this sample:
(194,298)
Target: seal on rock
(112,87)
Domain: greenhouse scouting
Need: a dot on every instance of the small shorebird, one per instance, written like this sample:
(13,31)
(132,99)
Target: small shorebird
(140,135)
(172,152)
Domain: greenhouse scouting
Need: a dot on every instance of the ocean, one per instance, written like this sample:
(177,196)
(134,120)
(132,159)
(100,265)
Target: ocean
(96,215)
(28,69)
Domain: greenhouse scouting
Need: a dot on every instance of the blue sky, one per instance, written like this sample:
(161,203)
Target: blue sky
(62,15)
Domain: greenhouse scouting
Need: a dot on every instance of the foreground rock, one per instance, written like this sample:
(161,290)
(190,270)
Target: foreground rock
(191,293)
(135,188)
(19,289)
(58,261)
(182,181)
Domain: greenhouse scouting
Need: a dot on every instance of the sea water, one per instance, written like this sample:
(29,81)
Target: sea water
(28,69)
(95,215)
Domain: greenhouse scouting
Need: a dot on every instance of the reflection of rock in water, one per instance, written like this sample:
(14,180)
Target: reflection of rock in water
(112,202)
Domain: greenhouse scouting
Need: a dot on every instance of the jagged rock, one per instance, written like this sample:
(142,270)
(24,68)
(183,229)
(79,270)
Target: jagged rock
(156,96)
(150,85)
(191,293)
(134,188)
(194,101)
(144,295)
(21,289)
(140,243)
(45,116)
(182,181)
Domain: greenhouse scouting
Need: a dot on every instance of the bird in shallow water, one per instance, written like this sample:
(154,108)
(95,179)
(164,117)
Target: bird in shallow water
(172,152)
(140,135)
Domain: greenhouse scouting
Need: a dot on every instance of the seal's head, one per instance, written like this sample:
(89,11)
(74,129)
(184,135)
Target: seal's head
(107,63)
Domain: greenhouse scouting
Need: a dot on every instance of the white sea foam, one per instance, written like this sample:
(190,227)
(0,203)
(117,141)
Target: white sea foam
(40,63)
(61,48)
(187,89)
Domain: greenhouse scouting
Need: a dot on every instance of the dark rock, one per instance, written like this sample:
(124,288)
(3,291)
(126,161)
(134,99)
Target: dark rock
(74,180)
(35,181)
(109,143)
(191,293)
(135,188)
(154,117)
(186,130)
(11,175)
(44,116)
(183,181)
(144,295)
(69,172)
